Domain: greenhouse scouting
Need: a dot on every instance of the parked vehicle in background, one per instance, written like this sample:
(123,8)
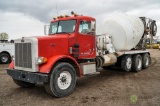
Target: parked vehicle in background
(153,43)
(6,51)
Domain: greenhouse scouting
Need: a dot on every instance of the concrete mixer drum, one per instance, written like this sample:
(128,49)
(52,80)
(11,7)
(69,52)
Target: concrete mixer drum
(125,30)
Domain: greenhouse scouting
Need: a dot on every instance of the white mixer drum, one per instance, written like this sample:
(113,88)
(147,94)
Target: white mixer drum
(125,30)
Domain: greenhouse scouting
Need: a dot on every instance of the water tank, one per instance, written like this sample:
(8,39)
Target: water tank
(125,31)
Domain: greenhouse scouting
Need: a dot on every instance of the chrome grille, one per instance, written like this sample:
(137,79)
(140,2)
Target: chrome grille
(23,55)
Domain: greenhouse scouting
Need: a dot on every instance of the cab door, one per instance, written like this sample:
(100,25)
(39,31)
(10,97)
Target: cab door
(86,39)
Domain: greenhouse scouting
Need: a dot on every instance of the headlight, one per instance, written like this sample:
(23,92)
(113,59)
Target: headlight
(41,60)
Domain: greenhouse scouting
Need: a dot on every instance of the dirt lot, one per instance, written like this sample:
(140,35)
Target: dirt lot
(112,87)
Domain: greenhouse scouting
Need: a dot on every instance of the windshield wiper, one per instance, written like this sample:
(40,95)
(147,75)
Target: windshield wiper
(62,32)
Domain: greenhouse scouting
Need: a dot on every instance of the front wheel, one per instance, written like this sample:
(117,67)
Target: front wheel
(62,80)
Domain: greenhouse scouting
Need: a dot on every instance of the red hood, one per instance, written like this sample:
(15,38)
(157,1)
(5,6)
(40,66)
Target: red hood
(49,46)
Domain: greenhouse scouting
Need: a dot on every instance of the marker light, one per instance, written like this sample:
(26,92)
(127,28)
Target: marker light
(54,18)
(61,16)
(67,16)
(75,15)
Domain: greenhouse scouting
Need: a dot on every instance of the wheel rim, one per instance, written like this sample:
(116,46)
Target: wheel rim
(129,63)
(4,59)
(139,63)
(64,80)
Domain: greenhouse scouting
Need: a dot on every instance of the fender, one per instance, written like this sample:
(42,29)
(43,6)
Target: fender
(46,68)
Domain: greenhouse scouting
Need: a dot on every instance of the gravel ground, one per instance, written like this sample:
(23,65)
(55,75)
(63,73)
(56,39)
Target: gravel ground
(109,87)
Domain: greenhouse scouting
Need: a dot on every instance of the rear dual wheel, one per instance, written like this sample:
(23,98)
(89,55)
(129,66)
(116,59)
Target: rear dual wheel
(126,63)
(135,62)
(146,60)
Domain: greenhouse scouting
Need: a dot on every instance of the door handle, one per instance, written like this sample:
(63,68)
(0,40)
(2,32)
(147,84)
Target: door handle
(52,44)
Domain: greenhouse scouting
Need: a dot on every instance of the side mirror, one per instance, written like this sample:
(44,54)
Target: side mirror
(93,26)
(46,29)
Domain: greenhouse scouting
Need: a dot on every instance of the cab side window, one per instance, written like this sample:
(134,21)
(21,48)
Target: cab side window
(85,27)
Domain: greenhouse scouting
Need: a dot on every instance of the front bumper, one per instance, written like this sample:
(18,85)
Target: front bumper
(28,76)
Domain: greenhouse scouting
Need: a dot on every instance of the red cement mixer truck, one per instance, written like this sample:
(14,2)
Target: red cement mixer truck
(72,49)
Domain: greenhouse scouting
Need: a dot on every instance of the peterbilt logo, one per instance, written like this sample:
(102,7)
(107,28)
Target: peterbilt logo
(22,39)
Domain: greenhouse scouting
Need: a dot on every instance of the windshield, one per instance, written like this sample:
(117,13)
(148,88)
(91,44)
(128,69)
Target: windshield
(67,26)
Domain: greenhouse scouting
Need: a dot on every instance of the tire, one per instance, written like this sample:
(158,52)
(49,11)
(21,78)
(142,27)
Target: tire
(153,28)
(23,84)
(4,58)
(137,63)
(126,63)
(62,80)
(145,60)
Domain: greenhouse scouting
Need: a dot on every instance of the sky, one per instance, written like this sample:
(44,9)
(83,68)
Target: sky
(20,18)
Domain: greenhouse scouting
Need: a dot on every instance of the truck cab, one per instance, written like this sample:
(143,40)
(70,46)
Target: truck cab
(80,32)
(71,41)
